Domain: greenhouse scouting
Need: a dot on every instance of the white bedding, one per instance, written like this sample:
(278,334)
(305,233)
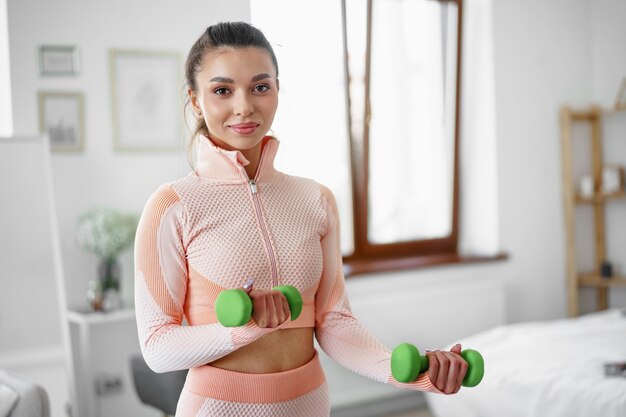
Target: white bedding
(545,369)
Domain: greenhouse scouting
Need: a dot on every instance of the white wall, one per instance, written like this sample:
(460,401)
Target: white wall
(99,175)
(544,54)
(541,60)
(6,118)
(608,34)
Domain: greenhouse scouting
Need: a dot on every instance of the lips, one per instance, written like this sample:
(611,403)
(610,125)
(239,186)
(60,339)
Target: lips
(244,128)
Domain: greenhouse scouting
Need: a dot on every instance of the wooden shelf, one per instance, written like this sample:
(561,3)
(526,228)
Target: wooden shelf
(593,117)
(599,198)
(597,281)
(587,115)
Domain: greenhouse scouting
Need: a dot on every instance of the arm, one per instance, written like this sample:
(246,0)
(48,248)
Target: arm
(338,332)
(160,288)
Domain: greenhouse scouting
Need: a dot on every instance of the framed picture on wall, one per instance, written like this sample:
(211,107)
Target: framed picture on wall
(61,116)
(58,60)
(146,99)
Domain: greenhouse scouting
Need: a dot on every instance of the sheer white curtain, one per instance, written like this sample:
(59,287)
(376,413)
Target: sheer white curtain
(411,134)
(479,218)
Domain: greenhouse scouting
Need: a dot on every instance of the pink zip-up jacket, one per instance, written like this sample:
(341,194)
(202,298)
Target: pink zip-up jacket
(215,228)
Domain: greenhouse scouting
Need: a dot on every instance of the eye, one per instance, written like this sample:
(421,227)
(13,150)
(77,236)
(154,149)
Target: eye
(261,88)
(221,91)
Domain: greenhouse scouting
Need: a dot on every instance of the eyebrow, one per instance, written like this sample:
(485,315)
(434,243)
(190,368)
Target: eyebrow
(225,80)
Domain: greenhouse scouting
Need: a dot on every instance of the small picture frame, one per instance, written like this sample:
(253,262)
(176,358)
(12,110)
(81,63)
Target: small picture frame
(146,100)
(58,61)
(61,116)
(620,100)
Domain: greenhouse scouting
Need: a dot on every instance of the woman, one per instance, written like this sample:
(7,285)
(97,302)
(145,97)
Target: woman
(236,220)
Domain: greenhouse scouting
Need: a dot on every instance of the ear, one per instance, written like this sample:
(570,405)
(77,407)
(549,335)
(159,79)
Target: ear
(194,102)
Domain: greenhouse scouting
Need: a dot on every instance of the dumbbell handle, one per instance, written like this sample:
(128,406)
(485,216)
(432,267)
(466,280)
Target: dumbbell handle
(234,307)
(407,364)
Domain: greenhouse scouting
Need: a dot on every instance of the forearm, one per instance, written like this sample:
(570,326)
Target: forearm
(175,347)
(169,346)
(344,339)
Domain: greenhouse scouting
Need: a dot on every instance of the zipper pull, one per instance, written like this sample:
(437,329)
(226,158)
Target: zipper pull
(253,186)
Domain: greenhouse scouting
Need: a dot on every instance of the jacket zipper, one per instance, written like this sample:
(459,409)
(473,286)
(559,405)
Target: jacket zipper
(257,210)
(257,207)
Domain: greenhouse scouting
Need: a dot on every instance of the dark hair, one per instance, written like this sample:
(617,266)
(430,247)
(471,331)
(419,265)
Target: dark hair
(230,34)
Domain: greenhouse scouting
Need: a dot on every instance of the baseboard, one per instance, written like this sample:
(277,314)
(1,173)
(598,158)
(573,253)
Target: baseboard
(392,404)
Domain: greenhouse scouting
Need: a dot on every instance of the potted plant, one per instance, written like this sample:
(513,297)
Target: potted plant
(106,232)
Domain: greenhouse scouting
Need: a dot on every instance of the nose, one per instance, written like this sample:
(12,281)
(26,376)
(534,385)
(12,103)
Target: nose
(243,105)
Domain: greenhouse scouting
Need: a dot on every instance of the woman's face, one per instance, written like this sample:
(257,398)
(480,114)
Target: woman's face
(237,96)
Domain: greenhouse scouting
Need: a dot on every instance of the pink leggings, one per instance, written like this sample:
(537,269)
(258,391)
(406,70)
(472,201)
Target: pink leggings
(215,392)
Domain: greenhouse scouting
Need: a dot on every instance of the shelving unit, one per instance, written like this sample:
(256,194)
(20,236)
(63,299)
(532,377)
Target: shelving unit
(575,278)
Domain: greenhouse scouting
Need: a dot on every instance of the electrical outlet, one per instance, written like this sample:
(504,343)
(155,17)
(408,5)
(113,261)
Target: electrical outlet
(108,384)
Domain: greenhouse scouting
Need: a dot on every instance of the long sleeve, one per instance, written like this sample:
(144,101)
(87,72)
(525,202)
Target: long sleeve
(161,276)
(338,332)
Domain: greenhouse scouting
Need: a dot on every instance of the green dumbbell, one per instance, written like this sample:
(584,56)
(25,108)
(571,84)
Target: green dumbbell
(234,307)
(407,364)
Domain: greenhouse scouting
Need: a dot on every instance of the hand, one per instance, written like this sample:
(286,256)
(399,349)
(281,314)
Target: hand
(447,369)
(269,307)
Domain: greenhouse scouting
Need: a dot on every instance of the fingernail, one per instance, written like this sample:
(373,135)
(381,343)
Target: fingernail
(248,284)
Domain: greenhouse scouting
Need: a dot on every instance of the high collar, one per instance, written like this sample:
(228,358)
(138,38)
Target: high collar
(218,163)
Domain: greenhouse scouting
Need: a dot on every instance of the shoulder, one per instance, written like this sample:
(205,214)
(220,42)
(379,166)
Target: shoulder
(164,203)
(311,186)
(164,195)
(174,191)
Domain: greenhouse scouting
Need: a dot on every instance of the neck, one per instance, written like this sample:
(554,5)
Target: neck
(254,156)
(221,163)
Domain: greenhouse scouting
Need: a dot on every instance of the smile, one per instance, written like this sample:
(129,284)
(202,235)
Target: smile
(244,128)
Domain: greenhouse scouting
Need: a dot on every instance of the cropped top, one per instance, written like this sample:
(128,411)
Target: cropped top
(212,230)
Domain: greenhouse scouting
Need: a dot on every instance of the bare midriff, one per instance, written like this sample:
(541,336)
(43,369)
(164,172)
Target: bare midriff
(279,351)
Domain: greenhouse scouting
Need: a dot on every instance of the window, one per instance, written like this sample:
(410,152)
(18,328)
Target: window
(381,79)
(403,61)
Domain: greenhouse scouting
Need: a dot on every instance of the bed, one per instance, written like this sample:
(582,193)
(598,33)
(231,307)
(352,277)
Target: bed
(545,369)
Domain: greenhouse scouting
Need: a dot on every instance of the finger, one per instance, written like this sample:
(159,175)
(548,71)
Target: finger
(433,367)
(279,307)
(254,293)
(463,366)
(272,320)
(453,372)
(442,375)
(260,309)
(456,348)
(284,305)
(286,308)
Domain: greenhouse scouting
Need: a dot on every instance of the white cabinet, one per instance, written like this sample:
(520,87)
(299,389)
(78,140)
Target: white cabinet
(102,345)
